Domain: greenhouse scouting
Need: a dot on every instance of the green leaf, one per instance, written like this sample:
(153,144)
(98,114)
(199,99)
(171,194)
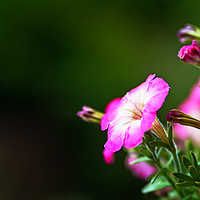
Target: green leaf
(157,185)
(160,172)
(193,172)
(182,176)
(170,135)
(159,144)
(185,184)
(141,159)
(186,161)
(194,159)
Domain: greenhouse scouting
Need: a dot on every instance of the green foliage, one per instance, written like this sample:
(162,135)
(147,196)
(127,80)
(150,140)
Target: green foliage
(191,179)
(185,184)
(186,161)
(193,172)
(158,184)
(141,159)
(160,172)
(182,176)
(159,144)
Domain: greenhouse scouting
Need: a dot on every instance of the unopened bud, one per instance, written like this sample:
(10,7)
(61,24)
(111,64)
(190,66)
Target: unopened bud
(90,115)
(177,116)
(189,33)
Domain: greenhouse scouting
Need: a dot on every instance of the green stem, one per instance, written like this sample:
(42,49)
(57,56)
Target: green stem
(165,174)
(176,160)
(159,166)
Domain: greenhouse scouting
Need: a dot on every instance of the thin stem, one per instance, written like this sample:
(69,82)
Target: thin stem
(158,164)
(176,160)
(165,174)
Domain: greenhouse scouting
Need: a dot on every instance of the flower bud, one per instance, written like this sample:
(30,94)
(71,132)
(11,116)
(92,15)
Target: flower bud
(190,53)
(177,116)
(188,33)
(90,115)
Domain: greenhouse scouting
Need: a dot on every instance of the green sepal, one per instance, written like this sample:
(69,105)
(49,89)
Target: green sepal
(185,184)
(159,144)
(182,176)
(186,161)
(141,159)
(193,172)
(160,183)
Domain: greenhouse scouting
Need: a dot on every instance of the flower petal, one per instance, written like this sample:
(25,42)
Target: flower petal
(147,119)
(113,105)
(156,93)
(137,94)
(108,156)
(134,135)
(107,119)
(115,139)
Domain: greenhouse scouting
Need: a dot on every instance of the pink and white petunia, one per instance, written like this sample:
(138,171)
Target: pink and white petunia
(190,106)
(134,114)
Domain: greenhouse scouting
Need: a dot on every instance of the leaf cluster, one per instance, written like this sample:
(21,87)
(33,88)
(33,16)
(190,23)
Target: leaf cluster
(192,178)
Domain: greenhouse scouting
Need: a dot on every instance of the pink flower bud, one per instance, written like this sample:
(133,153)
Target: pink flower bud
(190,53)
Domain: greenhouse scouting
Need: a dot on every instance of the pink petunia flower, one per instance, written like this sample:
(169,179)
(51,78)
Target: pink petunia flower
(134,114)
(190,106)
(140,170)
(190,53)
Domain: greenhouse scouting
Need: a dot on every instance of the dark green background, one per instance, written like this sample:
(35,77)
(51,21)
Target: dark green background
(56,56)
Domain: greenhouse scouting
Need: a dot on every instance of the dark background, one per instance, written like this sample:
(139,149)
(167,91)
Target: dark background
(57,56)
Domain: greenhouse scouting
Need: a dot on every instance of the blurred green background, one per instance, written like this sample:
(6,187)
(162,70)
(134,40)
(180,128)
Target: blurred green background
(57,56)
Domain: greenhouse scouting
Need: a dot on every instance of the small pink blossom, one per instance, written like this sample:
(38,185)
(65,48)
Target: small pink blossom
(134,114)
(108,156)
(190,106)
(190,53)
(140,170)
